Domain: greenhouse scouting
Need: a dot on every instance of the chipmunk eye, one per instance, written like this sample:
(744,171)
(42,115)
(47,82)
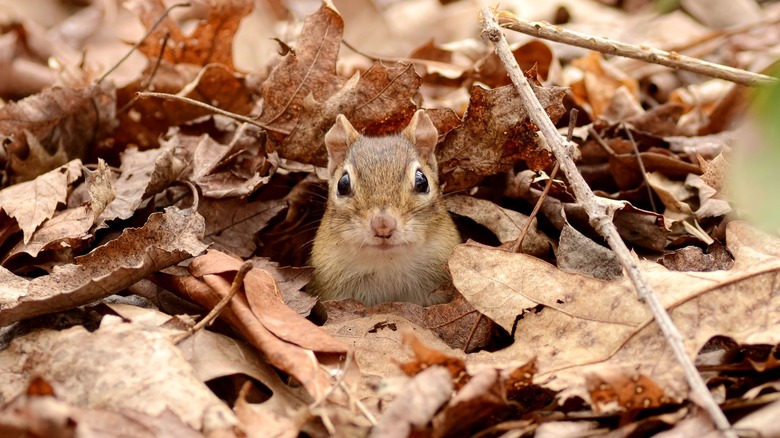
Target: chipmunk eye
(420,182)
(343,187)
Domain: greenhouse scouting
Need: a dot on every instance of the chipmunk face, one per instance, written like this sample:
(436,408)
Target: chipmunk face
(386,234)
(384,196)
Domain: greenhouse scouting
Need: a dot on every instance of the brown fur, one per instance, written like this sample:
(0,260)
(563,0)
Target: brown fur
(345,256)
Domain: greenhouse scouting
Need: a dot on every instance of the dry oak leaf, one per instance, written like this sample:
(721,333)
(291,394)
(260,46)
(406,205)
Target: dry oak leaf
(69,229)
(574,323)
(378,102)
(612,390)
(506,224)
(453,322)
(38,413)
(85,370)
(71,118)
(164,240)
(308,69)
(233,223)
(37,162)
(213,355)
(142,175)
(211,42)
(33,202)
(237,168)
(496,133)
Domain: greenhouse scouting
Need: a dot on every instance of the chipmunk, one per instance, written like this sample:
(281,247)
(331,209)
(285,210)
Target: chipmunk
(386,234)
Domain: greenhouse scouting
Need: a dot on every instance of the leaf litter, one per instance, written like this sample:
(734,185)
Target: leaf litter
(102,190)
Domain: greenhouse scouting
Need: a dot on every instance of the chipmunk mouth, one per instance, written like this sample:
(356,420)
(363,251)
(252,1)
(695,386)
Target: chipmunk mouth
(384,245)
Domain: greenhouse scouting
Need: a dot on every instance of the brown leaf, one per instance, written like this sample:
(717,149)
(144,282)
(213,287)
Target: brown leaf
(692,258)
(308,70)
(506,224)
(69,229)
(476,401)
(378,102)
(81,367)
(210,43)
(579,254)
(166,239)
(143,174)
(37,162)
(457,323)
(292,358)
(149,118)
(33,202)
(595,321)
(237,168)
(426,357)
(291,280)
(496,134)
(233,223)
(612,390)
(71,118)
(265,300)
(627,173)
(416,405)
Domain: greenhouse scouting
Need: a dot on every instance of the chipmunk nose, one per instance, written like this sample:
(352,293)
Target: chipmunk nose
(383,225)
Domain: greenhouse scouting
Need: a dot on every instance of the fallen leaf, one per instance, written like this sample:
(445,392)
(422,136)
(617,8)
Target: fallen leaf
(72,118)
(603,323)
(579,254)
(496,134)
(143,174)
(218,29)
(85,377)
(308,70)
(166,239)
(233,223)
(414,408)
(48,190)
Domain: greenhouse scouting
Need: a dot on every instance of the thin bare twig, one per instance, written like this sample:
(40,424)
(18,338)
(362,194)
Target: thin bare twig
(517,246)
(211,108)
(600,213)
(148,81)
(146,35)
(641,167)
(238,284)
(643,53)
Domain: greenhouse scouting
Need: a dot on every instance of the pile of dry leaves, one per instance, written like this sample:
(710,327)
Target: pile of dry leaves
(127,215)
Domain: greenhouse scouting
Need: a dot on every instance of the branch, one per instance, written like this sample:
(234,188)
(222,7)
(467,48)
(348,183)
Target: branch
(600,211)
(674,60)
(198,103)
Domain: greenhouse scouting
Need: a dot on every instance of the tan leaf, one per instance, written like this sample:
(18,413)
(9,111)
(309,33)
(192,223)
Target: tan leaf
(143,174)
(166,239)
(32,202)
(506,224)
(81,368)
(423,395)
(585,321)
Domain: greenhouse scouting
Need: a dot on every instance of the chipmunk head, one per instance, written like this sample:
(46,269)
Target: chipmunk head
(383,190)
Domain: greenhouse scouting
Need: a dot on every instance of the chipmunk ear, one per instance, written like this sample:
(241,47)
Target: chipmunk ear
(338,140)
(423,136)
